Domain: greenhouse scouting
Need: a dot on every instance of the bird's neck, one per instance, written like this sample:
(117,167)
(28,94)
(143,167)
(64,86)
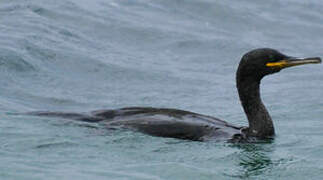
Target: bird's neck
(260,122)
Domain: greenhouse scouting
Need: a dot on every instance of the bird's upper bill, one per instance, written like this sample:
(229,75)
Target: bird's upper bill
(294,62)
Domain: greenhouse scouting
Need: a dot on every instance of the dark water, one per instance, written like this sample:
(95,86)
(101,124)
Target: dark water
(78,55)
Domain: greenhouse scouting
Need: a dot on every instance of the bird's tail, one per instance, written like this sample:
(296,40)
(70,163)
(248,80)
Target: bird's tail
(66,115)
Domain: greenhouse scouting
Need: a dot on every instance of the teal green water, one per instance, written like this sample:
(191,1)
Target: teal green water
(77,55)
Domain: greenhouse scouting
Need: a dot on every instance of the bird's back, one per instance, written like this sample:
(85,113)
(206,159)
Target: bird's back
(169,123)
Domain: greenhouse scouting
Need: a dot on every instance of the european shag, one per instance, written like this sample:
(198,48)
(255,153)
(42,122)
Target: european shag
(174,123)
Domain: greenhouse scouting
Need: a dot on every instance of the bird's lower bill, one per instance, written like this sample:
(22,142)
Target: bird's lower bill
(294,62)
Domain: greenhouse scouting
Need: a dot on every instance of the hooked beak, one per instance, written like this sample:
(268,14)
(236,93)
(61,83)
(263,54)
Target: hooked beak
(294,62)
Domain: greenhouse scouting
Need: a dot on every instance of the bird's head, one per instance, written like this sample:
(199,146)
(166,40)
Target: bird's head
(261,62)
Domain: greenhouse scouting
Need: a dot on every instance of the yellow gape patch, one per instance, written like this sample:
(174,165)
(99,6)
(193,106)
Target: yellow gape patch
(280,64)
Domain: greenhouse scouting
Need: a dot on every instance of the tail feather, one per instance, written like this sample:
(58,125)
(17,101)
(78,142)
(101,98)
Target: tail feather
(67,115)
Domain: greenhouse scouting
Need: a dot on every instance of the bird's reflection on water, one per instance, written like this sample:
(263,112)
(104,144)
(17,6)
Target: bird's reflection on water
(254,159)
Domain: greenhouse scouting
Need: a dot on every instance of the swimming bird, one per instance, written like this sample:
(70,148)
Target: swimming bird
(181,124)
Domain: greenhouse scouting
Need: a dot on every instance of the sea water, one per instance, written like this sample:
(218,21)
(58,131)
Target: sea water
(79,56)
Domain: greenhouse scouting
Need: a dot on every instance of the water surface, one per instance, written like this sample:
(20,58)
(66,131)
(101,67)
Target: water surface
(77,55)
